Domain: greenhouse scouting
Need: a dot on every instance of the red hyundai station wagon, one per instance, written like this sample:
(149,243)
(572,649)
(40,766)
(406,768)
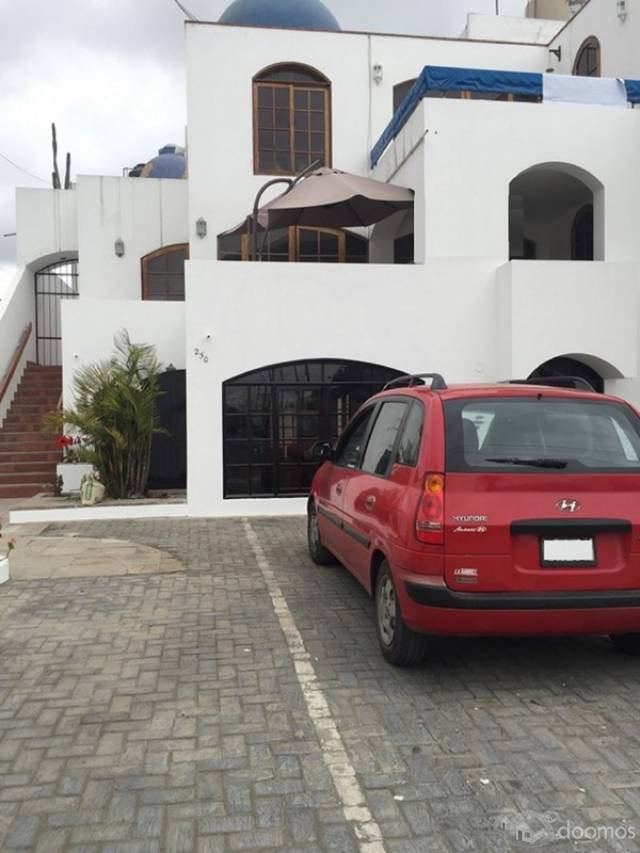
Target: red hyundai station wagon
(486,509)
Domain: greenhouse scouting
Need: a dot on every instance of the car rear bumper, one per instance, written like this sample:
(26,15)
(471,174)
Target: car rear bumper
(428,605)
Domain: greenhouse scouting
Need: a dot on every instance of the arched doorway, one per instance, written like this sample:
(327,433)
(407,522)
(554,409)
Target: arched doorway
(556,214)
(567,366)
(53,283)
(273,416)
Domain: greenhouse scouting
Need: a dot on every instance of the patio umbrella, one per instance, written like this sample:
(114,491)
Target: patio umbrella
(330,198)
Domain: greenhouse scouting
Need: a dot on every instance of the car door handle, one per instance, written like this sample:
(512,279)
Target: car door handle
(339,489)
(370,502)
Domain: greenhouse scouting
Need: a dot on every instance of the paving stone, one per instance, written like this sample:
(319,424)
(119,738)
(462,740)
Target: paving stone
(162,711)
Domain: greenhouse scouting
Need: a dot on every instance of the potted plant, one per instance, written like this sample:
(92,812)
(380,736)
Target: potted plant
(4,559)
(76,463)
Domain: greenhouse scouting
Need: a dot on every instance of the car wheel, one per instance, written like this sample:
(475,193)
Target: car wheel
(627,643)
(318,553)
(400,645)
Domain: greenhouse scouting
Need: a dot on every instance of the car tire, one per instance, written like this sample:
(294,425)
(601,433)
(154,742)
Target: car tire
(627,643)
(318,553)
(399,644)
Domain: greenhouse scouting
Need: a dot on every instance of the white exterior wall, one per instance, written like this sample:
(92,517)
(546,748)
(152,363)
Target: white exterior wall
(89,327)
(506,28)
(146,213)
(222,183)
(618,39)
(233,303)
(473,149)
(47,226)
(587,310)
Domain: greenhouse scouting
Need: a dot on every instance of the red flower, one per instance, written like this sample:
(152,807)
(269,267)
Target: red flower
(64,441)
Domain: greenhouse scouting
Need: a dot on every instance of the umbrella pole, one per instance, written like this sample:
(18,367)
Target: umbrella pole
(290,182)
(256,209)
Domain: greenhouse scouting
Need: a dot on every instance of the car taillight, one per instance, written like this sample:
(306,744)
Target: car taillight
(430,515)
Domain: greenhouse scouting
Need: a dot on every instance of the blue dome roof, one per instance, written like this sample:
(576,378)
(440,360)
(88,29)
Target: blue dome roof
(170,163)
(287,14)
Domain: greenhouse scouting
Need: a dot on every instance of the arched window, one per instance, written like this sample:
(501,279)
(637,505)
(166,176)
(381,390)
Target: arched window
(587,62)
(273,416)
(582,234)
(163,274)
(291,119)
(307,245)
(400,92)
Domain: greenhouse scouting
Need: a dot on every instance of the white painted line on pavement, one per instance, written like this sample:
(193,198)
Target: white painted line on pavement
(351,795)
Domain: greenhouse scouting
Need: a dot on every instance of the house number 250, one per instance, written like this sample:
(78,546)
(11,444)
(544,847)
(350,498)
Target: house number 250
(199,354)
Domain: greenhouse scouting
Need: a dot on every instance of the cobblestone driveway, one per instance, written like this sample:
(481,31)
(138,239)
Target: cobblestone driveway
(164,713)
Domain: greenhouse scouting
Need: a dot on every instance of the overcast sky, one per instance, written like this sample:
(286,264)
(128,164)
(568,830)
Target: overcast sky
(110,74)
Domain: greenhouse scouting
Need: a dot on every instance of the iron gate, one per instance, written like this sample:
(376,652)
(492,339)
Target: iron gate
(53,284)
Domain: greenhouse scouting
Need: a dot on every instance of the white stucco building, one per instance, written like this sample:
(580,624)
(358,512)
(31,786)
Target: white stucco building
(520,256)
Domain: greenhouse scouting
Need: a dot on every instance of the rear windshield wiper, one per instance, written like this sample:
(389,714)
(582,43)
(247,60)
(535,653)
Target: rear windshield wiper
(534,463)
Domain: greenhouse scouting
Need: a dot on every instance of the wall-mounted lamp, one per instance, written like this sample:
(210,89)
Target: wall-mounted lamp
(118,247)
(201,228)
(378,73)
(557,52)
(623,10)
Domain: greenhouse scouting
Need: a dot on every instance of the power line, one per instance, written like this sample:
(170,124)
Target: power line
(185,11)
(20,169)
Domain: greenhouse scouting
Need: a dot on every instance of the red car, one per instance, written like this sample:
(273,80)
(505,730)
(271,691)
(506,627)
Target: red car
(486,509)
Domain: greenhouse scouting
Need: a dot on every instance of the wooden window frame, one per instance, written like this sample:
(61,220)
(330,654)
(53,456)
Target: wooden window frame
(318,83)
(590,42)
(144,265)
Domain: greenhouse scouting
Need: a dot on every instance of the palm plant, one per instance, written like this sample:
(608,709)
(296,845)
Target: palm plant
(115,411)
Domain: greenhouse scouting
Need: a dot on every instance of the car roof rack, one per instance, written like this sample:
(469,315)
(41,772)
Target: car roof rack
(577,383)
(411,380)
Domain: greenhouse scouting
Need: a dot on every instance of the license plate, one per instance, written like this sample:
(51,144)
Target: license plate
(568,552)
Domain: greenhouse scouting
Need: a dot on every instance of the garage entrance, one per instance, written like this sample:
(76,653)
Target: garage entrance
(273,416)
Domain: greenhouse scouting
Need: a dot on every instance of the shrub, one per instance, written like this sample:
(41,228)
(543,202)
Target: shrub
(115,414)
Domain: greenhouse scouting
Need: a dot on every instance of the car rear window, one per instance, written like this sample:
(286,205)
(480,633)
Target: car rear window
(541,435)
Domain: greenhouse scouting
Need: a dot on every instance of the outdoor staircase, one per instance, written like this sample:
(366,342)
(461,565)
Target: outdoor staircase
(28,457)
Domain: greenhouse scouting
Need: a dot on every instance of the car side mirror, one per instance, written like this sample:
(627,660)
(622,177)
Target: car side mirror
(322,450)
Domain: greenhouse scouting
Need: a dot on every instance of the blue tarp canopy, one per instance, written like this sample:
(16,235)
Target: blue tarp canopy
(440,78)
(633,91)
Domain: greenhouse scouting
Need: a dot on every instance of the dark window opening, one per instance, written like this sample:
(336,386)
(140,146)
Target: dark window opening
(582,234)
(273,417)
(292,120)
(163,274)
(587,62)
(404,249)
(306,245)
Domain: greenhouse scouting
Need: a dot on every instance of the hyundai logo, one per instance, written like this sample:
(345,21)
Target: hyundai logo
(568,505)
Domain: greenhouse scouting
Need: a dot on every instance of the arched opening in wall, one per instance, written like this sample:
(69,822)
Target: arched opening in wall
(588,59)
(53,284)
(556,213)
(565,366)
(273,416)
(305,245)
(163,273)
(291,119)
